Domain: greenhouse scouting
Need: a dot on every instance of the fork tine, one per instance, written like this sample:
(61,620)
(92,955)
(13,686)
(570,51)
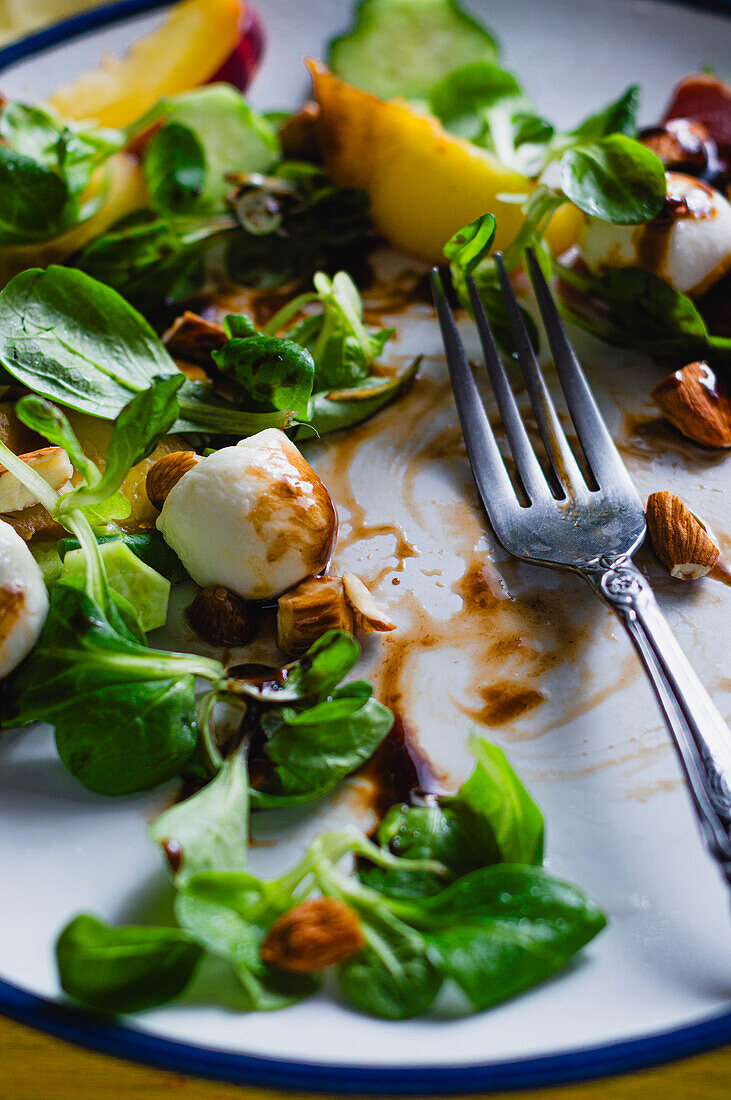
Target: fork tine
(599,448)
(529,468)
(488,468)
(559,453)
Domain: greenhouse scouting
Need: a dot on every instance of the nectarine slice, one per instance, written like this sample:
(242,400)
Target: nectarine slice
(190,46)
(424,183)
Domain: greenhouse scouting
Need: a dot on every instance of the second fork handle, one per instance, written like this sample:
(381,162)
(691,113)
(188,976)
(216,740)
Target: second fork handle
(702,738)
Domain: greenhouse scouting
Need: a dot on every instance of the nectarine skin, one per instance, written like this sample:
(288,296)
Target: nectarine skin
(239,68)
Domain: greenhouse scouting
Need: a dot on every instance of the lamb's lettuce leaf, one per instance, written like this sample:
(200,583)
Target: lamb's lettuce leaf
(69,338)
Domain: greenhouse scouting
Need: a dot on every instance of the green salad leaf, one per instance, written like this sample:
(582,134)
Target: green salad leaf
(124,969)
(208,831)
(175,169)
(403,47)
(471,245)
(45,166)
(632,308)
(503,929)
(314,676)
(618,117)
(147,591)
(70,338)
(393,976)
(34,201)
(614,178)
(463,99)
(149,546)
(73,340)
(271,373)
(315,732)
(124,715)
(342,349)
(486,105)
(491,819)
(151,257)
(313,750)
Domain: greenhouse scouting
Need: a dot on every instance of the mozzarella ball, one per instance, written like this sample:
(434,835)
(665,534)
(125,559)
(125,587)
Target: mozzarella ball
(255,518)
(23,599)
(688,244)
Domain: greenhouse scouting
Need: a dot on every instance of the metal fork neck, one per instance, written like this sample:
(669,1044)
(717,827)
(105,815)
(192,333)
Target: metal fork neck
(701,737)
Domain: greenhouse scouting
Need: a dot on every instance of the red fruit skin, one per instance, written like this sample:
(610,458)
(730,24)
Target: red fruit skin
(707,99)
(239,68)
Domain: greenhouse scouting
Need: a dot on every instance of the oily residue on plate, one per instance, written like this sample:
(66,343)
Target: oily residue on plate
(646,437)
(509,628)
(399,767)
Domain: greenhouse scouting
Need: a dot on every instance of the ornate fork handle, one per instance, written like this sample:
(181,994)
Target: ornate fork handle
(701,736)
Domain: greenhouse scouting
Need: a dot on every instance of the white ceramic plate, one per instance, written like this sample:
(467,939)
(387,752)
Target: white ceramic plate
(567,701)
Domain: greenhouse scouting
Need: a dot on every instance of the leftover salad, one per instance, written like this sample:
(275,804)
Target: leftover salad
(151,436)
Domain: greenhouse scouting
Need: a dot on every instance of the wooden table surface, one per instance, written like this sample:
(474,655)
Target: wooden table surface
(34,1067)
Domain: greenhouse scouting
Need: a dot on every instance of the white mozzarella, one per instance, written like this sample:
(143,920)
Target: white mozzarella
(23,599)
(255,518)
(688,244)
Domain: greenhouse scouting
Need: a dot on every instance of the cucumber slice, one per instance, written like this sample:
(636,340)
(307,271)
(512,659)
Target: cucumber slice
(150,546)
(403,47)
(145,589)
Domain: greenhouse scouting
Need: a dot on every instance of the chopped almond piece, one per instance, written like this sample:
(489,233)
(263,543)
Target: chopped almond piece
(51,463)
(369,617)
(306,612)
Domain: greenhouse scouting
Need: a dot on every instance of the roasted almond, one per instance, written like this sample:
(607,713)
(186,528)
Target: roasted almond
(193,338)
(166,473)
(697,403)
(680,540)
(369,617)
(221,617)
(313,935)
(53,465)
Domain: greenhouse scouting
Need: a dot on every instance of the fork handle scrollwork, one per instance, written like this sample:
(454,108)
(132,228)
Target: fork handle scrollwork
(701,736)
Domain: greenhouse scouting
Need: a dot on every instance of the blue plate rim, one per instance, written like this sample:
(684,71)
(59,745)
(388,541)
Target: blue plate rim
(106,1036)
(74,1025)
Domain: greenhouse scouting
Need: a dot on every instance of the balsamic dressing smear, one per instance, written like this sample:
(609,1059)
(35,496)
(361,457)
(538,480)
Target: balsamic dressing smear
(400,770)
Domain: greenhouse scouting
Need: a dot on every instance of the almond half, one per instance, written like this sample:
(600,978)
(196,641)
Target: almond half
(696,402)
(680,540)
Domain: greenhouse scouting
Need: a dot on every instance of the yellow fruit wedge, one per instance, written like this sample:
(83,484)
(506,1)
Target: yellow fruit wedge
(123,177)
(424,183)
(187,50)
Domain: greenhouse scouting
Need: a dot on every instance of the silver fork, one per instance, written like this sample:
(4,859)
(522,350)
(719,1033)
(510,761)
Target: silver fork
(589,528)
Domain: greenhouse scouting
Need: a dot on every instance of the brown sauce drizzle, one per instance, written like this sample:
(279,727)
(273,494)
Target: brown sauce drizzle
(399,768)
(508,643)
(646,437)
(503,702)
